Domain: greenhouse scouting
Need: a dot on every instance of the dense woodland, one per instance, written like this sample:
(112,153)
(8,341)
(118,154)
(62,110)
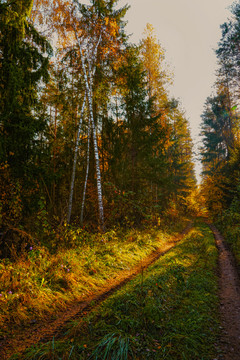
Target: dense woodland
(89,133)
(220,150)
(97,187)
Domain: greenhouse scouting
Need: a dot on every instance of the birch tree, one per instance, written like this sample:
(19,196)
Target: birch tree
(86,176)
(92,28)
(88,75)
(75,161)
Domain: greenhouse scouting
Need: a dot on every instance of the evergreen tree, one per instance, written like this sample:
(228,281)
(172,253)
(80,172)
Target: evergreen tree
(217,133)
(23,64)
(24,57)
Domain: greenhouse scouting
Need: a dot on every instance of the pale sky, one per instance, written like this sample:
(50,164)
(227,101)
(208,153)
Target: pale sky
(188,30)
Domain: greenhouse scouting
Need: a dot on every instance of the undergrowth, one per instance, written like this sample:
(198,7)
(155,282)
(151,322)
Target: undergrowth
(167,312)
(229,224)
(40,282)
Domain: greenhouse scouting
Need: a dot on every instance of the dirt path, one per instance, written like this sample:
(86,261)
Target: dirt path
(229,292)
(45,330)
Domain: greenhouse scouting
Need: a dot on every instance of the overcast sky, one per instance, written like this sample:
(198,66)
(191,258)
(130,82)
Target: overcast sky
(188,30)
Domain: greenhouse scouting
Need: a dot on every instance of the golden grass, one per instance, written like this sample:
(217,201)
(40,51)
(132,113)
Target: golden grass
(42,283)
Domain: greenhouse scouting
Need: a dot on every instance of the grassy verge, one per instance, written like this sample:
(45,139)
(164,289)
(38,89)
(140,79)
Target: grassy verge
(40,283)
(229,226)
(167,312)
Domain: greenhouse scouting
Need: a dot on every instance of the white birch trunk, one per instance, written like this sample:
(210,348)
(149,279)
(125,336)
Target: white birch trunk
(98,172)
(88,84)
(75,161)
(87,172)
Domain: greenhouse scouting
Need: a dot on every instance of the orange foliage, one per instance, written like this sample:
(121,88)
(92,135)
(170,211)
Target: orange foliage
(213,190)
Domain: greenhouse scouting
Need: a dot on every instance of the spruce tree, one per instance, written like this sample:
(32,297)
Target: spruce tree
(23,64)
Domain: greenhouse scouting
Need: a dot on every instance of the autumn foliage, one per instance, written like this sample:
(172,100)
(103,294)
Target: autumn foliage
(121,157)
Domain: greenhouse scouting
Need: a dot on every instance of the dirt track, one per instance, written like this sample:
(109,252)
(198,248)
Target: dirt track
(45,330)
(229,294)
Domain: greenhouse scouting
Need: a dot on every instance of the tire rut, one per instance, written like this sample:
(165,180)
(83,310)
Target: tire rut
(46,330)
(229,295)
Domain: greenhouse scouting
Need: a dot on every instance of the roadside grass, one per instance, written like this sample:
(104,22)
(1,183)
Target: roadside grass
(40,283)
(169,311)
(229,225)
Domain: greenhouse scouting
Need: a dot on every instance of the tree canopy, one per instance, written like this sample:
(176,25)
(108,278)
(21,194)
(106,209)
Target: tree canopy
(87,124)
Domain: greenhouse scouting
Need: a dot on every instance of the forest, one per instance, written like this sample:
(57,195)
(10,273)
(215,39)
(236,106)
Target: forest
(107,247)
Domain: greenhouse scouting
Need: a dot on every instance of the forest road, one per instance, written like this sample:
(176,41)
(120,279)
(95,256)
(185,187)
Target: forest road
(229,294)
(47,329)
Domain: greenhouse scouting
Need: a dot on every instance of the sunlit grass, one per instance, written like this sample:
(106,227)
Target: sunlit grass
(41,283)
(167,312)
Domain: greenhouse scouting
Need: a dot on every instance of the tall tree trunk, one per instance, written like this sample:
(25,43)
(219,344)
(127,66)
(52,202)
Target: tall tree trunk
(75,161)
(88,84)
(98,172)
(54,157)
(87,172)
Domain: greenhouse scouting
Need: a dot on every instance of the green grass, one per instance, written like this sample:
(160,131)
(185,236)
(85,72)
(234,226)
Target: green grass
(40,283)
(229,225)
(167,312)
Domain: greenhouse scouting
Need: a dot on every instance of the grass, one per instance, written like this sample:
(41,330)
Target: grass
(40,283)
(167,312)
(230,228)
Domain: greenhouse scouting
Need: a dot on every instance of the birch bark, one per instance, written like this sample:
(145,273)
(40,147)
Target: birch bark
(88,84)
(75,161)
(87,172)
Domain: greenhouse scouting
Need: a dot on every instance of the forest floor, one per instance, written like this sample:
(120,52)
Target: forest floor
(45,330)
(229,295)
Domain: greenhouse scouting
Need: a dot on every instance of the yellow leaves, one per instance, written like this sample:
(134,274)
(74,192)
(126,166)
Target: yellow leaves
(212,191)
(57,16)
(118,61)
(113,28)
(157,73)
(110,34)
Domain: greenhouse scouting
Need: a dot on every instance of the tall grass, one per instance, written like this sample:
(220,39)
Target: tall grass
(40,283)
(229,224)
(170,311)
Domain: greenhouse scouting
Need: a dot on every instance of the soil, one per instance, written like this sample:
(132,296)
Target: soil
(44,331)
(229,295)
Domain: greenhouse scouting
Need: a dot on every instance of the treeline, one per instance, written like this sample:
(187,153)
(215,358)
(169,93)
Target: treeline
(220,130)
(88,132)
